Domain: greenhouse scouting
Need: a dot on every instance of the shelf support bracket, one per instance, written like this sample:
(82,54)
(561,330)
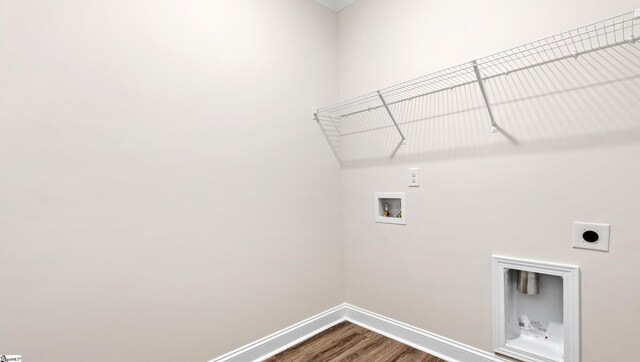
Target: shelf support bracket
(494,126)
(384,103)
(326,135)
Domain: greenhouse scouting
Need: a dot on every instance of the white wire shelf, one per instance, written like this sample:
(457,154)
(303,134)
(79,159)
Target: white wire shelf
(380,109)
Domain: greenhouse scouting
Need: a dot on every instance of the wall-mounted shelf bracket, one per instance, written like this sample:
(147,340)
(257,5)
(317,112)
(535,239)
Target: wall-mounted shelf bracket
(384,103)
(494,126)
(315,116)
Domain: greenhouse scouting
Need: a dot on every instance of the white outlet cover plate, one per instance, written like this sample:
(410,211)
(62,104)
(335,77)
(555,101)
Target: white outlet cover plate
(414,177)
(603,236)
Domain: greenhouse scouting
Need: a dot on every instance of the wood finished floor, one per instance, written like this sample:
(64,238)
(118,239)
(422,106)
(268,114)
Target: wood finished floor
(347,342)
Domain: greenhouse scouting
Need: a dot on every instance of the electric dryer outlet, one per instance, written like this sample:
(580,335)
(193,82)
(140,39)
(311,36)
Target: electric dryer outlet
(591,236)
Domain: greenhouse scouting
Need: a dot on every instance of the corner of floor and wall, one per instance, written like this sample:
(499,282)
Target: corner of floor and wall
(435,272)
(166,195)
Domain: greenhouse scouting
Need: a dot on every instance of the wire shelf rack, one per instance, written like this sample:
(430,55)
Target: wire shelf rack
(380,109)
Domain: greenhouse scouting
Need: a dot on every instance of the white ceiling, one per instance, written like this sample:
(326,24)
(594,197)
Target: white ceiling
(335,5)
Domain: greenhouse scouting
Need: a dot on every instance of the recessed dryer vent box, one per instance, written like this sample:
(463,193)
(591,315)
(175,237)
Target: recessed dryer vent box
(536,316)
(390,208)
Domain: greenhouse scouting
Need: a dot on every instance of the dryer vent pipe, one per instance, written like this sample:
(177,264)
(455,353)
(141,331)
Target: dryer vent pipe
(527,282)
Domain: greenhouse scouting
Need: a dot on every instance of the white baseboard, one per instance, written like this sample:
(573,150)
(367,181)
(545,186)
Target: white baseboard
(283,339)
(431,343)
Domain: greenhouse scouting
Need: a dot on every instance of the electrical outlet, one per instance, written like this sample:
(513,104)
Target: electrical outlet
(414,177)
(591,236)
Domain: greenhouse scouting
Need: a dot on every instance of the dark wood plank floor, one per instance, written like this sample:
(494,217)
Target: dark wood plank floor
(347,342)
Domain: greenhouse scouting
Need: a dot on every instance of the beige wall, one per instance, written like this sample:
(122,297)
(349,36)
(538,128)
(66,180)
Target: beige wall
(164,194)
(480,195)
(166,197)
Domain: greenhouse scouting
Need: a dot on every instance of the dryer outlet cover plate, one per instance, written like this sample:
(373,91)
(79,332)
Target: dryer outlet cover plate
(591,236)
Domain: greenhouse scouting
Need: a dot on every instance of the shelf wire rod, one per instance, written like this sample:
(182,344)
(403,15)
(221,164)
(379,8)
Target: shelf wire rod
(598,35)
(504,90)
(557,68)
(588,39)
(553,55)
(520,57)
(563,37)
(520,64)
(590,42)
(517,60)
(433,78)
(495,67)
(542,69)
(578,71)
(633,23)
(384,103)
(428,81)
(327,119)
(430,117)
(494,126)
(560,58)
(410,98)
(438,84)
(430,78)
(334,123)
(335,152)
(557,42)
